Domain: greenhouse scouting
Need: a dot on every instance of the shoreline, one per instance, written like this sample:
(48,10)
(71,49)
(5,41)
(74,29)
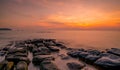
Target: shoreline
(47,53)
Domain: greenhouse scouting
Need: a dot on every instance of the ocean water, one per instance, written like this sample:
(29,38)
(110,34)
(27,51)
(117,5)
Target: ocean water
(100,40)
(76,39)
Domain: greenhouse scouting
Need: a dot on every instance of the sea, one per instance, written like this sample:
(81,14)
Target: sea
(87,39)
(74,39)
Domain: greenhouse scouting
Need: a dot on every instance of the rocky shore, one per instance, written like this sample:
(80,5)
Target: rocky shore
(50,54)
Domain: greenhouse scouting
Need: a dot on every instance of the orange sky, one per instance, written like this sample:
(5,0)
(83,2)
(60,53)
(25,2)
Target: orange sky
(60,14)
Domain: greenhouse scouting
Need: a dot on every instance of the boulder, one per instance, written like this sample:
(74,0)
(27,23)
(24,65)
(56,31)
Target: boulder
(74,53)
(5,49)
(115,51)
(83,54)
(64,57)
(38,59)
(53,48)
(112,56)
(41,51)
(16,59)
(108,62)
(14,50)
(9,66)
(47,65)
(92,58)
(3,64)
(2,53)
(60,45)
(93,52)
(21,54)
(22,66)
(75,66)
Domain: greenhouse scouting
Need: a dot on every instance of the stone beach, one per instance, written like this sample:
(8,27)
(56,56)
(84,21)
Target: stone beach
(50,54)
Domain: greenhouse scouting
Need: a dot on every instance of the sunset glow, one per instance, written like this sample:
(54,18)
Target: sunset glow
(60,14)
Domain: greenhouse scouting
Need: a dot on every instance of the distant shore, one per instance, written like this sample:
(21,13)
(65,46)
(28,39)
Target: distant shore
(7,29)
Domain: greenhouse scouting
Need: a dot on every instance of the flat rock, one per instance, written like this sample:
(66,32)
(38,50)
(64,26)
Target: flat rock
(92,58)
(64,57)
(38,59)
(16,59)
(74,53)
(115,51)
(75,66)
(47,65)
(108,62)
(83,54)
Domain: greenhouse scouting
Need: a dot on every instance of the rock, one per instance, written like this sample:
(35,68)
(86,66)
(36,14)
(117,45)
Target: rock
(30,47)
(22,66)
(83,54)
(3,64)
(108,62)
(21,54)
(2,53)
(5,49)
(9,66)
(47,65)
(74,53)
(16,59)
(53,48)
(93,52)
(60,45)
(112,56)
(115,51)
(40,44)
(75,66)
(92,58)
(64,57)
(14,50)
(38,59)
(41,51)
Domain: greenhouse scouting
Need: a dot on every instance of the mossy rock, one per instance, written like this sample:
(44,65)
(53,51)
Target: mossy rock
(9,66)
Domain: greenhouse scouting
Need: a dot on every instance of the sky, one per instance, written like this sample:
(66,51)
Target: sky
(60,14)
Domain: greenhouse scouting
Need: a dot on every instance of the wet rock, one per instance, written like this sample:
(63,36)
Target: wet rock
(30,47)
(108,62)
(64,57)
(2,53)
(60,45)
(83,54)
(75,66)
(112,56)
(9,66)
(47,65)
(115,51)
(21,54)
(3,64)
(22,66)
(16,59)
(5,49)
(14,50)
(93,52)
(40,44)
(74,53)
(38,59)
(53,48)
(41,51)
(92,58)
(49,42)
